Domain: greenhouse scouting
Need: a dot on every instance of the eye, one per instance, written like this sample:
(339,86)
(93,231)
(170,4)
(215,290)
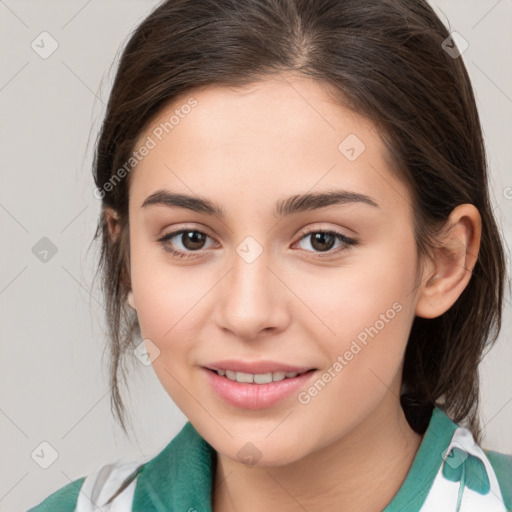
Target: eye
(323,241)
(191,240)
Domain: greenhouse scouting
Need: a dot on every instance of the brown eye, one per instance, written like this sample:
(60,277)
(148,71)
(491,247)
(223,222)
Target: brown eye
(187,241)
(324,241)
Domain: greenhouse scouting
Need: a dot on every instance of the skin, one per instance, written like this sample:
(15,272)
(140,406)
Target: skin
(245,149)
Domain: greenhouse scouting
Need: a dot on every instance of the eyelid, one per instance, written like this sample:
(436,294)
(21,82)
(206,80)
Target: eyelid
(185,227)
(318,227)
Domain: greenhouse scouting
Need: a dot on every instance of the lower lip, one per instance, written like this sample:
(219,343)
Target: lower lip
(255,396)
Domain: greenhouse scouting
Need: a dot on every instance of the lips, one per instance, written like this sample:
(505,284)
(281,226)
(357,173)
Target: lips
(256,384)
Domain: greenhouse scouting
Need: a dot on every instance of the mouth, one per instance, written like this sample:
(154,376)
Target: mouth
(246,390)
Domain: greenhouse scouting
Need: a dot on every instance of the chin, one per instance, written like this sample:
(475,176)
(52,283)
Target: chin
(262,454)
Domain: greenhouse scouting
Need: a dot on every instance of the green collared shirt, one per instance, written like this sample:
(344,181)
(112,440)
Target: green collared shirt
(179,478)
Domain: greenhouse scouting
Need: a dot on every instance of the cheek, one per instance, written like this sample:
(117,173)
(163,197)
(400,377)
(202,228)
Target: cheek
(168,305)
(373,288)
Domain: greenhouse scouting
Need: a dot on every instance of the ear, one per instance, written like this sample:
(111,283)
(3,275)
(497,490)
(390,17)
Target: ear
(112,221)
(114,228)
(453,263)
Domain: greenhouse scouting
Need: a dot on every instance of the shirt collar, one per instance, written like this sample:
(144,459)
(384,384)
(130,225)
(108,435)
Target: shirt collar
(426,464)
(180,477)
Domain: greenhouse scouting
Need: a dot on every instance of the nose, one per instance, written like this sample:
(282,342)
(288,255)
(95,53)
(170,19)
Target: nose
(252,299)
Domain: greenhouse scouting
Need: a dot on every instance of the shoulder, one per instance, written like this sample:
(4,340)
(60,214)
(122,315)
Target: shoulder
(502,466)
(480,477)
(183,470)
(62,500)
(97,489)
(186,458)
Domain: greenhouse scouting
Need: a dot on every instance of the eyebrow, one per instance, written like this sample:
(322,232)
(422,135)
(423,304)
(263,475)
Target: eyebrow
(293,204)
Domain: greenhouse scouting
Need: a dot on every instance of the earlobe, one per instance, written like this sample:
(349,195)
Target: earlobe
(131,300)
(454,263)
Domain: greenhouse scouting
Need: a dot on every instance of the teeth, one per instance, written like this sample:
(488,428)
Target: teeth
(263,378)
(230,375)
(244,377)
(259,378)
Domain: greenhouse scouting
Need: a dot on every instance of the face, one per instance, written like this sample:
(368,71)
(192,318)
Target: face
(324,285)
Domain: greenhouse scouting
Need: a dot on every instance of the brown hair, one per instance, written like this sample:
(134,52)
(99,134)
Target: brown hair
(386,60)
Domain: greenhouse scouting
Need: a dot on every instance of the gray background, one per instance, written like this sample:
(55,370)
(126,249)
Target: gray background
(54,385)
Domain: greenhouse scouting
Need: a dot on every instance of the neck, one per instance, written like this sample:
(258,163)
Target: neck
(361,471)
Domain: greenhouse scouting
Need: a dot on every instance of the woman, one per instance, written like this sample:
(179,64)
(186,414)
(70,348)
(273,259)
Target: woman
(296,221)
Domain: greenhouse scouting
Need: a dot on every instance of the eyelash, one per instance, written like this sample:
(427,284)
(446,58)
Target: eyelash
(349,243)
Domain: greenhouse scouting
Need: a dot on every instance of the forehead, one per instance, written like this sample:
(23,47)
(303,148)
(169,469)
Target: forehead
(276,135)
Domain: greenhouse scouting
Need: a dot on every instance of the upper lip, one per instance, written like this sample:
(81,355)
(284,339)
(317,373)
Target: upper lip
(256,367)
